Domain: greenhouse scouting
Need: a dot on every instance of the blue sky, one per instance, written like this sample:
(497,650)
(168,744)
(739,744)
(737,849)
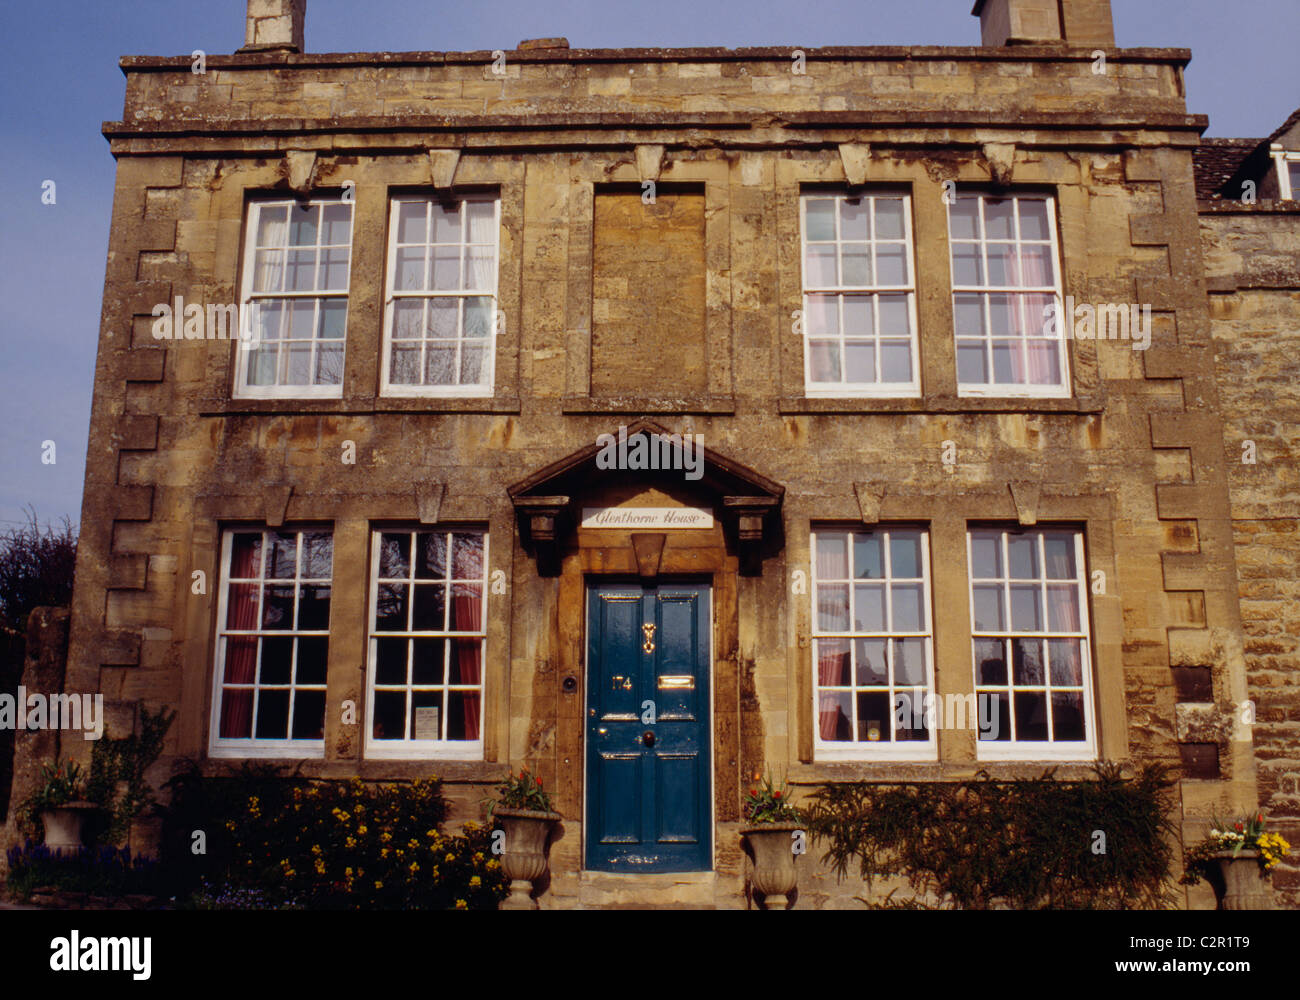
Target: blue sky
(60,81)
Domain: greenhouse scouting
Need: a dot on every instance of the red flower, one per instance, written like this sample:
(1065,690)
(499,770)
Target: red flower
(1259,818)
(1238,826)
(539,782)
(753,791)
(776,795)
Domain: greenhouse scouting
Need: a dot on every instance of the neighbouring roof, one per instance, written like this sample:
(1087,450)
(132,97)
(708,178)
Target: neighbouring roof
(1216,161)
(1221,165)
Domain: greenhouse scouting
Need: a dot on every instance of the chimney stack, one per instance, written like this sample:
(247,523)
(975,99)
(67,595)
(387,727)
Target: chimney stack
(1045,22)
(274,25)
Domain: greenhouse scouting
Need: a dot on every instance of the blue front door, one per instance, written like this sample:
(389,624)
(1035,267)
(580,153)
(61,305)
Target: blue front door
(648,748)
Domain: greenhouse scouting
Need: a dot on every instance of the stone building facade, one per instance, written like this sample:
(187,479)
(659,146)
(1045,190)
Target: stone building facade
(384,537)
(1249,191)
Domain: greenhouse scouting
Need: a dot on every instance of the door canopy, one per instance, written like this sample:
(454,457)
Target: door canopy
(549,502)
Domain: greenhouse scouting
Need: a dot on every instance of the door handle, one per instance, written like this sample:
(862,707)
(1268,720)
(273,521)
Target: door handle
(648,738)
(648,635)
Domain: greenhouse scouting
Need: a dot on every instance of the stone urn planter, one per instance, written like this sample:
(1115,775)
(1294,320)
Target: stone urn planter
(770,847)
(525,857)
(1246,885)
(63,826)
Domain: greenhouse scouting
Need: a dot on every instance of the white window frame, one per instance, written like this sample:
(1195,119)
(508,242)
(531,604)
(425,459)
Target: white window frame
(248,313)
(1283,159)
(253,747)
(891,750)
(391,294)
(997,389)
(1035,750)
(862,390)
(413,749)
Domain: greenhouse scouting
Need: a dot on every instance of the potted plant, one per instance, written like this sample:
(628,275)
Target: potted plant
(525,814)
(1236,862)
(60,807)
(771,840)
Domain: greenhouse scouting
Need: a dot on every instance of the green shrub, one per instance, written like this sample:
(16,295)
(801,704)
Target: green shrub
(1027,844)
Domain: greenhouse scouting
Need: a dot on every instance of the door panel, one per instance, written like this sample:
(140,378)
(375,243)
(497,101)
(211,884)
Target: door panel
(648,782)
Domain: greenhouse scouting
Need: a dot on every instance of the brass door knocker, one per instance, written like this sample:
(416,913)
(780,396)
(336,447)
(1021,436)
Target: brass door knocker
(649,632)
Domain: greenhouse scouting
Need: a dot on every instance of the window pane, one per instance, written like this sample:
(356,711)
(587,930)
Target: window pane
(272,714)
(999,219)
(446,223)
(833,608)
(1031,715)
(1067,716)
(1033,219)
(967,265)
(872,666)
(909,661)
(1000,710)
(390,715)
(272,226)
(313,656)
(889,219)
(905,554)
(895,320)
(835,720)
(411,265)
(1022,552)
(1060,555)
(820,263)
(856,265)
(875,716)
(868,562)
(895,361)
(853,219)
(1062,608)
(824,360)
(819,219)
(408,319)
(303,220)
(823,318)
(482,221)
(337,220)
(429,608)
(986,554)
(833,662)
(467,556)
(309,715)
(446,268)
(963,218)
(411,225)
(972,363)
(1066,662)
(428,664)
(907,607)
(832,556)
(277,608)
(390,661)
(390,608)
(869,608)
(859,361)
(314,608)
(859,316)
(990,661)
(1027,662)
(1026,612)
(891,265)
(989,616)
(431,556)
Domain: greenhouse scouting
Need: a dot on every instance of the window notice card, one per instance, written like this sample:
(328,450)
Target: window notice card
(426,723)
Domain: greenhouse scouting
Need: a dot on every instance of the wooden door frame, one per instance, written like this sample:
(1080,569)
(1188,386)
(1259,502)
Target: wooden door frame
(608,557)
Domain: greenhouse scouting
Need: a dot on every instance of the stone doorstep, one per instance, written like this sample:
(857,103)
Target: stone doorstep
(672,890)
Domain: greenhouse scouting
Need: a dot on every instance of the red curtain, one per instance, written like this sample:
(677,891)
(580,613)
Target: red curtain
(467,607)
(241,651)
